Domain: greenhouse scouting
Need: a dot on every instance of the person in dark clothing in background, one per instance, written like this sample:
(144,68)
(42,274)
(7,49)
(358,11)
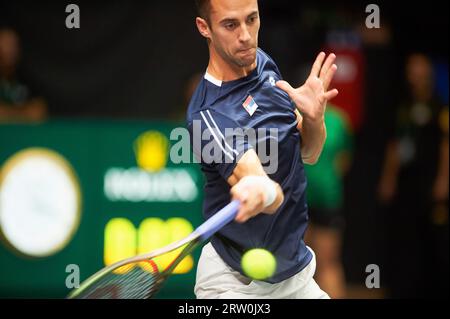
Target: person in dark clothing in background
(414,182)
(16,101)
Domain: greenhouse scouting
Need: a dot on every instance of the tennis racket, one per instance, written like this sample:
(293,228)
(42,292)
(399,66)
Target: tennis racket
(140,277)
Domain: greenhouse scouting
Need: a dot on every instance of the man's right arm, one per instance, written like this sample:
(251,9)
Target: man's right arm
(215,146)
(253,188)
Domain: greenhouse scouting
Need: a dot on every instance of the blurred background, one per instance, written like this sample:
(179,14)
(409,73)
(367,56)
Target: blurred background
(86,116)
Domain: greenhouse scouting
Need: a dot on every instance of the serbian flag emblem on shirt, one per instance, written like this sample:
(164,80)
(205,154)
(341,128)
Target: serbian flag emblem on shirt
(250,105)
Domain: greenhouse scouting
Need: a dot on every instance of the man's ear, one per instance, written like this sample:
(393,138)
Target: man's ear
(203,27)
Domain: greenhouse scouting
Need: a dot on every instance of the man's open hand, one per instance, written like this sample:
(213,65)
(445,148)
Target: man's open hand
(311,98)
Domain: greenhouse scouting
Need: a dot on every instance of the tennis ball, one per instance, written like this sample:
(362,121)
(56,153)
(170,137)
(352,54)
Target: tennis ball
(258,264)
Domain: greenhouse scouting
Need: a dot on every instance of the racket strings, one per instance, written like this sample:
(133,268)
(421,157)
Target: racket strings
(135,280)
(132,281)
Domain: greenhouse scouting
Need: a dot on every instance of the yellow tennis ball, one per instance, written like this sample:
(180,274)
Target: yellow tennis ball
(258,264)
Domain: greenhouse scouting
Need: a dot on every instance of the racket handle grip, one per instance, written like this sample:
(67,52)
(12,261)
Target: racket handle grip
(218,220)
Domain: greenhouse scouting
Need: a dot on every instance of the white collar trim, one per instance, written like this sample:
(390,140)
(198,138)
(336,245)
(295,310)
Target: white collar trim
(212,79)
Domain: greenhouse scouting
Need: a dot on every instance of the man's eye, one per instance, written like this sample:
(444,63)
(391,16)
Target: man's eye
(229,26)
(252,20)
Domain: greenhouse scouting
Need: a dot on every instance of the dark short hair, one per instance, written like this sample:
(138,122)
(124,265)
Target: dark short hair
(203,9)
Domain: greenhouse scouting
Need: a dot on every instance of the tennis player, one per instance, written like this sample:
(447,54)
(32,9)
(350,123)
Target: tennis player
(242,92)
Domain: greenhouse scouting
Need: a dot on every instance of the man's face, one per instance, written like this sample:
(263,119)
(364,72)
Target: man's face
(234,27)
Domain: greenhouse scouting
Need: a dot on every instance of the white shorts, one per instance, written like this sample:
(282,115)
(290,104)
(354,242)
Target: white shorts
(216,280)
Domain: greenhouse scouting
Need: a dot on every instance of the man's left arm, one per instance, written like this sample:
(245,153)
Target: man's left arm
(311,99)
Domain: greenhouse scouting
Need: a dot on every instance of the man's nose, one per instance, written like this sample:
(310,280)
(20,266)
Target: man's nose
(244,35)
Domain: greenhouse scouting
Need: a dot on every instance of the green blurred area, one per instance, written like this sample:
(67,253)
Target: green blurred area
(91,147)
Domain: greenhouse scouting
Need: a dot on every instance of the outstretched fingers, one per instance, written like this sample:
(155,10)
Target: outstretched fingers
(317,66)
(328,77)
(330,94)
(327,65)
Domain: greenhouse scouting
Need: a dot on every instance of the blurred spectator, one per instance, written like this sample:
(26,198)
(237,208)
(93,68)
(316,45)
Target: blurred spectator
(414,182)
(16,101)
(325,200)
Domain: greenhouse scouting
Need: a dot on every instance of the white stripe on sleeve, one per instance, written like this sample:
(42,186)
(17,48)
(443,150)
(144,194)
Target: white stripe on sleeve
(226,144)
(215,136)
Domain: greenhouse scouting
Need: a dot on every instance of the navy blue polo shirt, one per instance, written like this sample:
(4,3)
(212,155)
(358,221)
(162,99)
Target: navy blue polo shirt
(226,119)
